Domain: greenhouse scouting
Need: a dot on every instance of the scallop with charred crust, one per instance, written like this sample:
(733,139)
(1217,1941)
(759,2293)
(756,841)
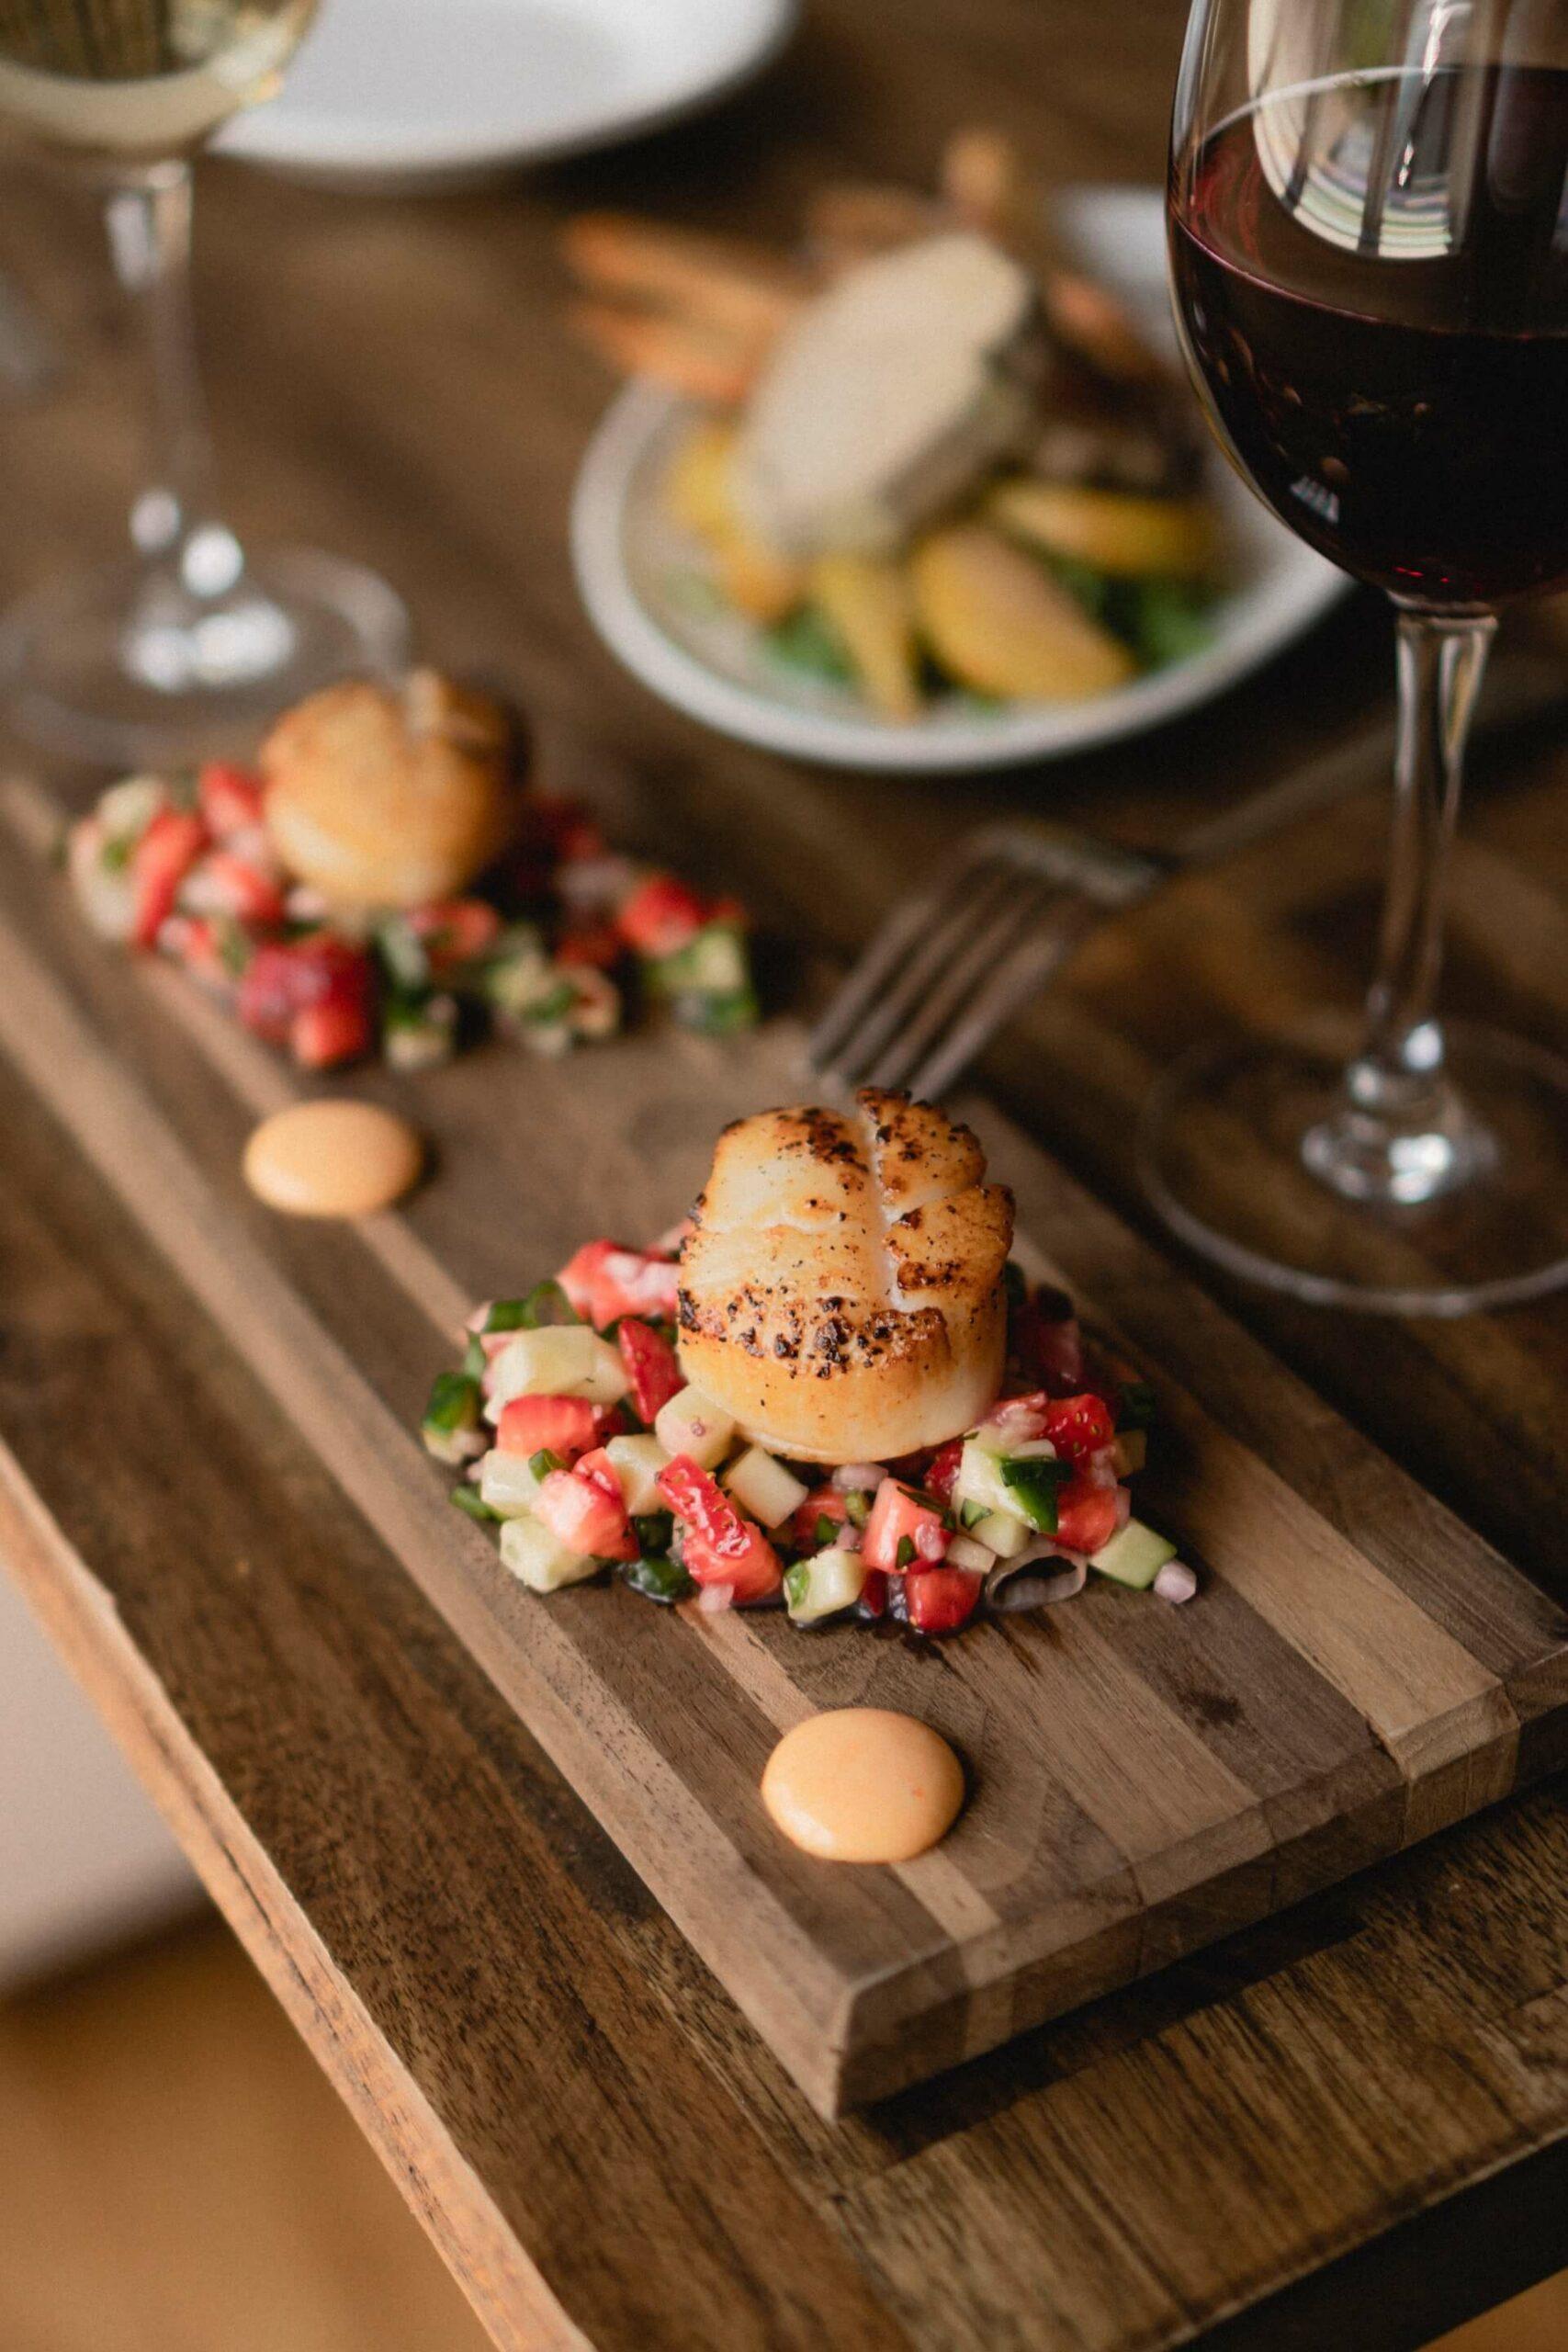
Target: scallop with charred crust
(841,1290)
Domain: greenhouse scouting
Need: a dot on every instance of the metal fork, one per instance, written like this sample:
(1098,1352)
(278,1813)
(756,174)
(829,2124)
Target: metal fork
(950,964)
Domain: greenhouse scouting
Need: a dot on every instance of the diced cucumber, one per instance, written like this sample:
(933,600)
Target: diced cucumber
(508,1483)
(980,1479)
(127,809)
(537,1560)
(823,1585)
(1035,1482)
(693,1425)
(1134,1555)
(420,1035)
(712,964)
(763,1487)
(636,1462)
(451,1427)
(968,1552)
(659,1577)
(1001,1533)
(562,1360)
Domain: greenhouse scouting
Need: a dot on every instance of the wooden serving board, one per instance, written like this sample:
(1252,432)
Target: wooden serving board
(1358,1669)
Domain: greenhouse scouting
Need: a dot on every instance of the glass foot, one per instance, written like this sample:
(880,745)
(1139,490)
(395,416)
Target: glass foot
(1253,1154)
(112,667)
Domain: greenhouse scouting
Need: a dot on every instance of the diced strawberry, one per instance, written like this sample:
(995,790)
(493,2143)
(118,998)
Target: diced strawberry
(651,1366)
(234,885)
(593,946)
(230,798)
(1077,1426)
(659,916)
(563,1425)
(269,992)
(718,1545)
(937,1601)
(603,1282)
(822,1503)
(159,863)
(321,1035)
(581,1513)
(580,1277)
(943,1469)
(1080,1426)
(1086,1515)
(197,943)
(330,969)
(455,930)
(903,1531)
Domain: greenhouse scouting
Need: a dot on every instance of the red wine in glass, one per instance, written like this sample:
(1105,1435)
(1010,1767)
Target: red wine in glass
(1393,376)
(1369,239)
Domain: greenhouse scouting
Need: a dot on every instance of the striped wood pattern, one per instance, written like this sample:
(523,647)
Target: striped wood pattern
(1358,1671)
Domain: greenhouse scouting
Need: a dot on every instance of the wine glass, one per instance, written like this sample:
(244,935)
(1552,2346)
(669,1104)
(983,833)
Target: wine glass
(188,646)
(1369,244)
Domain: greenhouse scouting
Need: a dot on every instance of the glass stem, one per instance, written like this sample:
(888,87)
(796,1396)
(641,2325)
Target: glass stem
(173,520)
(1402,1137)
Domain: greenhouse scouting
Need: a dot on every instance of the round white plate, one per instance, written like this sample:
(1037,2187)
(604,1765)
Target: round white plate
(635,571)
(440,90)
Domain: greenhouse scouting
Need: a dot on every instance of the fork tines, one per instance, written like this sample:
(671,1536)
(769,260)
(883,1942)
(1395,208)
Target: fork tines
(951,963)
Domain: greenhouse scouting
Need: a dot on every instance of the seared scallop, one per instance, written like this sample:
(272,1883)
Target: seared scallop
(841,1291)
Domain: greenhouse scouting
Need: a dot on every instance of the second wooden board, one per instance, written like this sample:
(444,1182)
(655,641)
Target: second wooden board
(1358,1669)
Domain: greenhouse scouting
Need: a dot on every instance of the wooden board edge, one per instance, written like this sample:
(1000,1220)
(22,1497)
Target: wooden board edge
(441,2187)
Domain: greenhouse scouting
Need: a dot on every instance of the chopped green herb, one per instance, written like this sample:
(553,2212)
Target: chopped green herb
(658,1577)
(544,1462)
(1036,1481)
(857,1509)
(474,1357)
(653,1532)
(1168,620)
(453,1403)
(469,1500)
(807,642)
(827,1529)
(115,854)
(904,1557)
(971,1514)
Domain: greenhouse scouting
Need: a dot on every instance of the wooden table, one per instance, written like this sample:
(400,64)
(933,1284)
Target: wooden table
(1349,2127)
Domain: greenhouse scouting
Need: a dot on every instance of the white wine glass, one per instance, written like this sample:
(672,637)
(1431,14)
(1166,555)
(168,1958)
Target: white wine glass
(188,645)
(1368,243)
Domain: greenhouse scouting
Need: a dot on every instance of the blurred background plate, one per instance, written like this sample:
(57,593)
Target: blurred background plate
(631,562)
(396,91)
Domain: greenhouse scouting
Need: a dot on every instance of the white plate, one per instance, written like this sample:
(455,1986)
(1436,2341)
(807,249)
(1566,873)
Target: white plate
(630,561)
(440,90)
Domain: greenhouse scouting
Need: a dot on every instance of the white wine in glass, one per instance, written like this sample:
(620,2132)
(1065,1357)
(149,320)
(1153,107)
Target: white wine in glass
(191,643)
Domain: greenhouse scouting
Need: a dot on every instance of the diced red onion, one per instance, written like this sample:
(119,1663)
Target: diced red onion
(859,1477)
(931,1541)
(714,1599)
(1047,1573)
(1176,1581)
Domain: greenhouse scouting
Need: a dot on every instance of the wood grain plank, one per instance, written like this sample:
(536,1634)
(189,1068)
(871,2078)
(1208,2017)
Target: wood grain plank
(1111,1830)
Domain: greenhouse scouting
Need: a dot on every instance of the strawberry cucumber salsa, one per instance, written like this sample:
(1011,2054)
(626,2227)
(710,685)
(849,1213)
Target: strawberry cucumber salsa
(578,1439)
(548,946)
